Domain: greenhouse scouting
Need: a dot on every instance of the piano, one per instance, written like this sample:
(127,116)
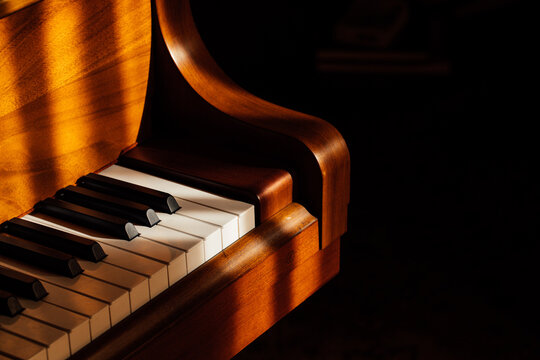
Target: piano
(149,206)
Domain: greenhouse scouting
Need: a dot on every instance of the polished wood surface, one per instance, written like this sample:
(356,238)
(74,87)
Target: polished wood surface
(189,84)
(269,189)
(85,81)
(74,77)
(262,297)
(8,7)
(250,267)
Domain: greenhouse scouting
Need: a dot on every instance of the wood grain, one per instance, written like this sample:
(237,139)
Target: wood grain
(250,269)
(194,97)
(74,77)
(269,189)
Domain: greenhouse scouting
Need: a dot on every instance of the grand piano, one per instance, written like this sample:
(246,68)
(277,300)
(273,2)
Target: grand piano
(150,207)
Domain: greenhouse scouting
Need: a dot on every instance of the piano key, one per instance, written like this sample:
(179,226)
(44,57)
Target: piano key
(55,341)
(44,257)
(173,259)
(62,241)
(15,347)
(155,272)
(21,284)
(228,222)
(9,305)
(244,211)
(76,326)
(96,311)
(105,223)
(210,234)
(135,212)
(117,298)
(158,200)
(135,284)
(193,246)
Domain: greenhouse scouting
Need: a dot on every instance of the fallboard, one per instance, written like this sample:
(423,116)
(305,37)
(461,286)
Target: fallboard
(73,81)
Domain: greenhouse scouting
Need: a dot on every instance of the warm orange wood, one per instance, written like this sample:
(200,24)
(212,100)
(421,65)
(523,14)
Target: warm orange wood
(73,83)
(269,189)
(10,6)
(245,310)
(192,95)
(262,261)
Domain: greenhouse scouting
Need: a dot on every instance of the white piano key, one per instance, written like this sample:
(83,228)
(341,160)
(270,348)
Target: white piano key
(244,211)
(96,311)
(155,272)
(77,326)
(55,341)
(173,259)
(18,348)
(116,297)
(135,284)
(193,246)
(228,222)
(210,234)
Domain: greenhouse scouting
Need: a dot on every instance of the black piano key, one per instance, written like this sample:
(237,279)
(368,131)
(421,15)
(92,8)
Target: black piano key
(9,305)
(71,244)
(21,284)
(105,223)
(157,200)
(39,255)
(133,211)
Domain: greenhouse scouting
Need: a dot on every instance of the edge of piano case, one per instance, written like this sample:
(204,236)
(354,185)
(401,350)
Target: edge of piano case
(186,83)
(252,284)
(225,304)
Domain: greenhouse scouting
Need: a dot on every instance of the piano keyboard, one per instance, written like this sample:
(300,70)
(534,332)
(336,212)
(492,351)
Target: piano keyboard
(152,231)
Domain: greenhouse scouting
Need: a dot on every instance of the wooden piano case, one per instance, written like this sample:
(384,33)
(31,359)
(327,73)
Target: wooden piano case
(85,84)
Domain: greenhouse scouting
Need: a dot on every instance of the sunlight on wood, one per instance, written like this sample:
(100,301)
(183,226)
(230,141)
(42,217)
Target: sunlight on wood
(16,154)
(74,76)
(279,292)
(130,77)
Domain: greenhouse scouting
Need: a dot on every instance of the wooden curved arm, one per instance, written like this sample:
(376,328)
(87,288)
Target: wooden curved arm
(316,150)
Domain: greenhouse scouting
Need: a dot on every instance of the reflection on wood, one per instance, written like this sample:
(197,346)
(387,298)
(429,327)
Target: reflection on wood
(234,294)
(311,147)
(73,90)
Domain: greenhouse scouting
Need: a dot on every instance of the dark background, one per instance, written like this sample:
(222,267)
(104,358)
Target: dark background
(435,101)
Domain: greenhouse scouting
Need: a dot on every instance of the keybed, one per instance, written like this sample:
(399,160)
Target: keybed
(186,228)
(244,212)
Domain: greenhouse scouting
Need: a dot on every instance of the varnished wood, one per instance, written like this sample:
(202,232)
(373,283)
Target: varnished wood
(76,82)
(189,84)
(265,256)
(8,7)
(73,84)
(246,309)
(269,189)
